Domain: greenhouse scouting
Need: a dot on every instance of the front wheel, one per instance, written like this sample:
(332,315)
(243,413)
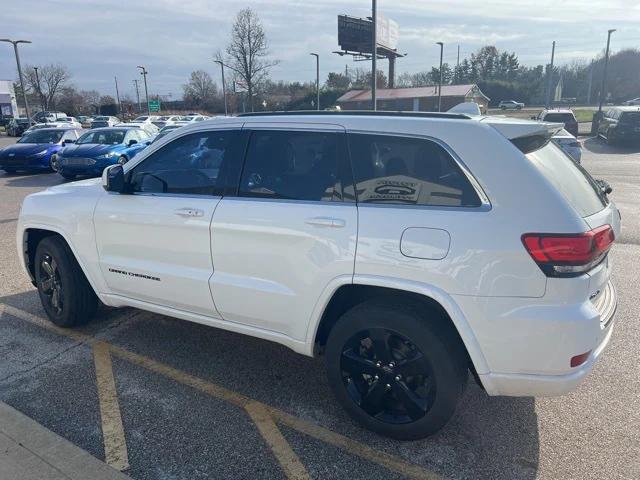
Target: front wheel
(64,291)
(394,370)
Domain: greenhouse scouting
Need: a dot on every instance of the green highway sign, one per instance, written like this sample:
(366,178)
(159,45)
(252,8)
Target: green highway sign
(154,105)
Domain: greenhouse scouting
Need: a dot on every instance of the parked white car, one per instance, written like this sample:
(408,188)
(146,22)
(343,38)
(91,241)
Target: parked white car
(72,121)
(408,249)
(632,102)
(193,118)
(39,126)
(145,119)
(166,120)
(510,105)
(101,121)
(148,127)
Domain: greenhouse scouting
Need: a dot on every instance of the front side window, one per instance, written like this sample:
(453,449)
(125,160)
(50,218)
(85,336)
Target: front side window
(409,171)
(197,164)
(294,165)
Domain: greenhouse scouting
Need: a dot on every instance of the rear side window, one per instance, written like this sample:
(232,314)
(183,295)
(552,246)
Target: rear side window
(632,118)
(573,181)
(411,171)
(294,165)
(559,117)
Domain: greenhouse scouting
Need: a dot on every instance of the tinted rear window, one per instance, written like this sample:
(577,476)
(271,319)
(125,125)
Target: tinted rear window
(559,117)
(571,179)
(412,171)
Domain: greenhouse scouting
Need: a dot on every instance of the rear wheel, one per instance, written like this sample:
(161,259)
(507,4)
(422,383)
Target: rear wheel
(64,291)
(394,370)
(68,176)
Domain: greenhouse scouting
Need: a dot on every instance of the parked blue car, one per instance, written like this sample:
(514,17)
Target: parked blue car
(35,148)
(99,148)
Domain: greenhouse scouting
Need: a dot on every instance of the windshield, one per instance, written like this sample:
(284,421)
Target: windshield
(42,136)
(559,117)
(103,137)
(140,119)
(101,119)
(573,181)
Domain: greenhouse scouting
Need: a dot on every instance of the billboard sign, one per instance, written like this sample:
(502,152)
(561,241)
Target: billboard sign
(354,34)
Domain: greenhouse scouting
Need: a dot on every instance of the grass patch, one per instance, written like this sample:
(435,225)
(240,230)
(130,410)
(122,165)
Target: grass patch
(583,115)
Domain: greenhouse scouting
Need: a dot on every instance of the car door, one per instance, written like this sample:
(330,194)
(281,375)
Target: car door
(289,232)
(154,244)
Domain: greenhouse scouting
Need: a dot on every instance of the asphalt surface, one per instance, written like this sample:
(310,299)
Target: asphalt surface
(177,431)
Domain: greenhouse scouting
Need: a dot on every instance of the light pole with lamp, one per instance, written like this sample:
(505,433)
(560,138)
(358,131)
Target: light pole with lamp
(24,93)
(440,81)
(317,79)
(143,72)
(224,88)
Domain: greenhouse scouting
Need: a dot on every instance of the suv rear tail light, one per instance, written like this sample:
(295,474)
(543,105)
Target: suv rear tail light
(569,255)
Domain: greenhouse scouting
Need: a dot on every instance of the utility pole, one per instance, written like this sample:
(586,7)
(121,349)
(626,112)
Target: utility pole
(550,78)
(590,82)
(42,106)
(118,96)
(224,87)
(440,82)
(374,53)
(135,82)
(604,74)
(317,80)
(24,92)
(458,65)
(143,72)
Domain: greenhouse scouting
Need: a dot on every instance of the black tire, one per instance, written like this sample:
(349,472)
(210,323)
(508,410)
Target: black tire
(425,338)
(56,269)
(609,139)
(68,176)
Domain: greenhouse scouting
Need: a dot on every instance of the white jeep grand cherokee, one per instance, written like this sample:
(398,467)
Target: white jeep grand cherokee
(408,249)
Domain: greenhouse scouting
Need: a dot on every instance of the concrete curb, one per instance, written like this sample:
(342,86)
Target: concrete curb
(29,451)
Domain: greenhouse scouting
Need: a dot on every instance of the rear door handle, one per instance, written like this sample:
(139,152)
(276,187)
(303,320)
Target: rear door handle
(328,222)
(189,212)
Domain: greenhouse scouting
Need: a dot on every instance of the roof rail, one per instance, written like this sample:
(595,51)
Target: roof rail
(368,113)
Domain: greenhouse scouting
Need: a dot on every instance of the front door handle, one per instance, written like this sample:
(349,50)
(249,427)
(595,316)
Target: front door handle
(329,222)
(189,212)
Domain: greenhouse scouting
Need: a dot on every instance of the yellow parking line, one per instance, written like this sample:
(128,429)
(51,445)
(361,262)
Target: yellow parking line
(115,444)
(354,447)
(289,461)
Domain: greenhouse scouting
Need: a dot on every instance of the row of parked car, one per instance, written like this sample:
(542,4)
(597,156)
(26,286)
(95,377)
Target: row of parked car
(63,146)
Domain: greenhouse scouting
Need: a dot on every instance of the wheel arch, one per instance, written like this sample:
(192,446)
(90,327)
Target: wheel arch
(32,235)
(347,295)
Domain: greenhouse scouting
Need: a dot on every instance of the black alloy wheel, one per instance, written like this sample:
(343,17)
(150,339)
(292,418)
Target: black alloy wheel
(51,284)
(387,376)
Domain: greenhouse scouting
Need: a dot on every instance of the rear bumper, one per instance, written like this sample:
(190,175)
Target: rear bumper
(529,345)
(524,385)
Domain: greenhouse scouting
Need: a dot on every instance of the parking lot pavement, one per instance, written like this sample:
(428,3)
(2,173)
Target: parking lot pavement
(162,398)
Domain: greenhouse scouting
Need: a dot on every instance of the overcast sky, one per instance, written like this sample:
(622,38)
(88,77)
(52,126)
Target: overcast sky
(100,39)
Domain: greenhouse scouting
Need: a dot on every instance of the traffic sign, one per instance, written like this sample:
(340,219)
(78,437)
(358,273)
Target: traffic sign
(154,105)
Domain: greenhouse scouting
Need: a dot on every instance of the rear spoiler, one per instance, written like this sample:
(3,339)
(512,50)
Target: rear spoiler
(526,135)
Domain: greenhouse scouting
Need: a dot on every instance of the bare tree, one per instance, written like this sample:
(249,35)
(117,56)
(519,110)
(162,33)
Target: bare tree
(201,89)
(248,51)
(51,79)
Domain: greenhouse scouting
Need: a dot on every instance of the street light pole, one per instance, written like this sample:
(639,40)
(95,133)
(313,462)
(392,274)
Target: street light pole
(440,81)
(39,90)
(143,72)
(135,82)
(224,87)
(24,92)
(118,96)
(317,80)
(374,53)
(604,74)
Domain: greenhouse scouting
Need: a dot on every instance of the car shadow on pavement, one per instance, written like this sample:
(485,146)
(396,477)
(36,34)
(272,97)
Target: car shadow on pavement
(598,145)
(488,437)
(32,180)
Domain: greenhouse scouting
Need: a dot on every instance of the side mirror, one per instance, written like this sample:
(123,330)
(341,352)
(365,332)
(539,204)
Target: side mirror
(132,142)
(113,179)
(68,140)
